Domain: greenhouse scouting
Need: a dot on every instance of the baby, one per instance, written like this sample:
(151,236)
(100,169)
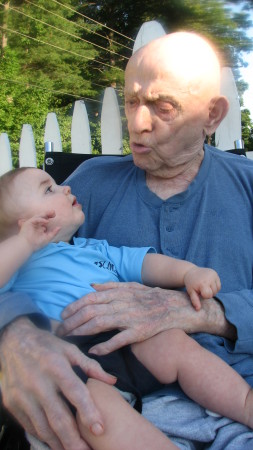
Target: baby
(38,219)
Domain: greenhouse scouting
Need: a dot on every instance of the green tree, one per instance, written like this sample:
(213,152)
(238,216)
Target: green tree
(44,67)
(213,18)
(247,130)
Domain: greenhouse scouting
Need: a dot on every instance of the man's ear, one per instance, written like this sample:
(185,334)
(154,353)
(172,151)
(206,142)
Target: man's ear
(218,109)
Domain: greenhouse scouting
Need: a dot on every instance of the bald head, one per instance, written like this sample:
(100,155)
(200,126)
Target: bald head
(185,57)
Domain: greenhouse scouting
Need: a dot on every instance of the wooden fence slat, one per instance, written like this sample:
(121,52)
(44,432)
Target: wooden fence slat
(5,154)
(230,128)
(52,132)
(27,150)
(148,31)
(111,126)
(80,129)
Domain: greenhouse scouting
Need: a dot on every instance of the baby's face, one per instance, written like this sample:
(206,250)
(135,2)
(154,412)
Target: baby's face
(37,194)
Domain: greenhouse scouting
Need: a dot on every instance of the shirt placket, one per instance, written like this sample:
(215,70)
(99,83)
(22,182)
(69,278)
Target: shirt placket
(169,231)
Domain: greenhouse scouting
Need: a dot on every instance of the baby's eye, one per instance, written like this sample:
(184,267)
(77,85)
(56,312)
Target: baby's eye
(49,189)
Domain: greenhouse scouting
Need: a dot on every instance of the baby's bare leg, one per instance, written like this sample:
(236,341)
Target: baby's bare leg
(173,356)
(124,428)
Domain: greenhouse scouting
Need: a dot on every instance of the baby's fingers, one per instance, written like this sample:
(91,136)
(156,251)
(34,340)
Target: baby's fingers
(195,300)
(207,291)
(217,285)
(50,214)
(210,291)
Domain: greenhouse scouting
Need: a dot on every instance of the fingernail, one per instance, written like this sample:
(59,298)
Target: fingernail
(93,351)
(97,428)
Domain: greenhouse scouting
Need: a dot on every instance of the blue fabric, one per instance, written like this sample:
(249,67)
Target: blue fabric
(11,309)
(191,427)
(61,273)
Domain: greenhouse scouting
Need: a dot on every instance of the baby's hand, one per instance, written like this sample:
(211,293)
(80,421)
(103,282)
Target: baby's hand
(201,282)
(36,231)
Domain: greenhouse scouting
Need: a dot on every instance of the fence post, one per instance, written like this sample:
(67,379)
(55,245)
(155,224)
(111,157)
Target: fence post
(111,126)
(229,129)
(80,129)
(148,32)
(52,132)
(27,150)
(5,154)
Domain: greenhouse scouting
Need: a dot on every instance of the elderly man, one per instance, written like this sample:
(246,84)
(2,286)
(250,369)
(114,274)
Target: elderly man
(186,199)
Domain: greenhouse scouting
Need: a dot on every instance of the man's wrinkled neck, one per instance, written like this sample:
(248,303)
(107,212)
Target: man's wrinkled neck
(174,180)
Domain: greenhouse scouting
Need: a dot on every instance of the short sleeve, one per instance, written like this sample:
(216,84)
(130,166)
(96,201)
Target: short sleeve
(128,261)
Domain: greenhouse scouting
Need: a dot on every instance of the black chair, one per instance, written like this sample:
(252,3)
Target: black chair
(238,151)
(12,436)
(60,165)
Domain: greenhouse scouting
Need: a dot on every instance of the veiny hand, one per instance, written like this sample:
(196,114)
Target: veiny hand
(201,282)
(36,374)
(36,230)
(139,312)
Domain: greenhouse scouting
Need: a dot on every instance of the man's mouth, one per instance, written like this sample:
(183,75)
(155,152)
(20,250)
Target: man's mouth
(140,148)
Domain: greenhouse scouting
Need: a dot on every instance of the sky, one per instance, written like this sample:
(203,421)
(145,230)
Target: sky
(247,73)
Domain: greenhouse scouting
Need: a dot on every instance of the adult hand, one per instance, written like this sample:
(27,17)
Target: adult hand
(36,374)
(139,312)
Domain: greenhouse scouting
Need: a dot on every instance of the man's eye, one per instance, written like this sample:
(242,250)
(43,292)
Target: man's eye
(165,107)
(131,102)
(167,110)
(49,189)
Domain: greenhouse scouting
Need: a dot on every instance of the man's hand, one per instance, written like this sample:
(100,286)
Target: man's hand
(36,374)
(139,312)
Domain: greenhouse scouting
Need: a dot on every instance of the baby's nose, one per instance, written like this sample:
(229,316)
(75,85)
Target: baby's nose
(67,190)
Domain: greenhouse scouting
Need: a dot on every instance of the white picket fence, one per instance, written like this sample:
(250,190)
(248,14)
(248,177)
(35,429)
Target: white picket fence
(111,126)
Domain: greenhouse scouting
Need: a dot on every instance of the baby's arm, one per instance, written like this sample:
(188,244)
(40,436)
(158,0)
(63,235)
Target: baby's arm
(33,234)
(167,272)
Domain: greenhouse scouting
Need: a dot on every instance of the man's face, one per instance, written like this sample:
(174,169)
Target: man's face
(38,194)
(165,118)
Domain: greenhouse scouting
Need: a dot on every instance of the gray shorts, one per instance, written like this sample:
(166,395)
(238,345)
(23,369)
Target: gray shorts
(191,427)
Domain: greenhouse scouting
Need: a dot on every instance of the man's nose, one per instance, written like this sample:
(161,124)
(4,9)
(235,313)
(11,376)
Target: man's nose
(141,120)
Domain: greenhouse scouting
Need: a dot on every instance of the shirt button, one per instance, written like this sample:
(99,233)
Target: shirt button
(169,228)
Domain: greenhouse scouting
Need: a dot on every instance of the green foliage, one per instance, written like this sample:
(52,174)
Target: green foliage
(247,130)
(19,102)
(95,129)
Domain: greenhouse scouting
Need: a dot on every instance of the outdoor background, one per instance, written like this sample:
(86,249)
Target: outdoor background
(55,52)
